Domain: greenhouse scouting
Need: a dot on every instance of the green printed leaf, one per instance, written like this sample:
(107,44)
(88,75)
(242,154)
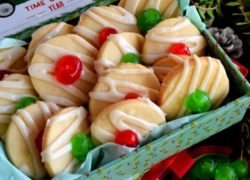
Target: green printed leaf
(233,4)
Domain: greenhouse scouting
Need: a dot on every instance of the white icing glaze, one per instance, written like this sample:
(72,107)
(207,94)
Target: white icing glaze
(132,5)
(9,56)
(54,32)
(55,52)
(122,121)
(169,12)
(179,84)
(153,4)
(113,95)
(85,32)
(123,17)
(43,71)
(157,35)
(18,83)
(123,45)
(101,134)
(30,130)
(193,85)
(52,151)
(209,72)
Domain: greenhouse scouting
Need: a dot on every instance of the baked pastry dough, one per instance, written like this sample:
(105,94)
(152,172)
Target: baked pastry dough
(45,33)
(139,115)
(13,88)
(168,32)
(165,65)
(115,47)
(42,66)
(204,73)
(95,19)
(21,138)
(117,82)
(58,132)
(168,8)
(12,59)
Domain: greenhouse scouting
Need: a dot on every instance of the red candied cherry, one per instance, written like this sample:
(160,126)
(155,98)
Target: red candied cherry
(132,96)
(68,69)
(105,33)
(127,138)
(4,73)
(179,48)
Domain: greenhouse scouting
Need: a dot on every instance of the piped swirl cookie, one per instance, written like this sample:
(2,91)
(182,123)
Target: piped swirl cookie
(139,115)
(64,72)
(93,21)
(56,146)
(168,8)
(12,59)
(45,33)
(13,88)
(204,73)
(160,38)
(165,65)
(119,44)
(22,137)
(117,82)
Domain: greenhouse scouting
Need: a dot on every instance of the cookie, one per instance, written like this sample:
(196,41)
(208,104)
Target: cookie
(43,72)
(204,73)
(58,132)
(12,59)
(97,18)
(168,32)
(139,115)
(168,8)
(13,88)
(117,82)
(163,66)
(45,33)
(22,144)
(115,47)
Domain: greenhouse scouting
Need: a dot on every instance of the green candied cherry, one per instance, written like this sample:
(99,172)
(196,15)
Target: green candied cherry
(81,145)
(225,172)
(25,101)
(205,168)
(240,167)
(131,58)
(197,102)
(148,19)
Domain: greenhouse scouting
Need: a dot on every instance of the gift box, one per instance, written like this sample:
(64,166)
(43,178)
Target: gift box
(111,161)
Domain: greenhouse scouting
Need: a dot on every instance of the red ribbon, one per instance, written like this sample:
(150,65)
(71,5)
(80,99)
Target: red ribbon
(243,69)
(181,163)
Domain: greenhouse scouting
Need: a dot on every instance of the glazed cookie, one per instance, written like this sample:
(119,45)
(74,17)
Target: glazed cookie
(97,18)
(64,72)
(12,59)
(205,73)
(45,33)
(22,136)
(168,32)
(12,88)
(168,8)
(163,66)
(117,82)
(58,132)
(139,115)
(115,47)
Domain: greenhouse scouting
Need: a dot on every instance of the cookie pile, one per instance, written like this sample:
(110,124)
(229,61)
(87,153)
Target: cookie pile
(118,74)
